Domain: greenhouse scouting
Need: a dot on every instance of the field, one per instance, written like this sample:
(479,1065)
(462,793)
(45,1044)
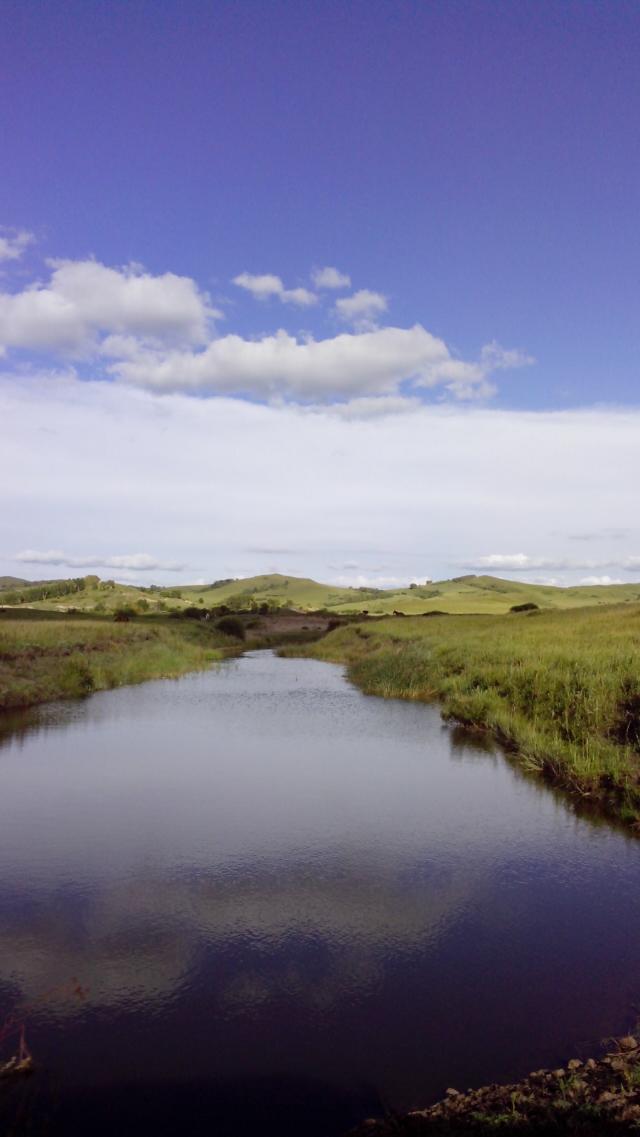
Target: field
(561,689)
(53,658)
(466,594)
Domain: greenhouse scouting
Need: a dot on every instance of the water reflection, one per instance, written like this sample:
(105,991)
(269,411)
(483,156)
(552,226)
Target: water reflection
(264,879)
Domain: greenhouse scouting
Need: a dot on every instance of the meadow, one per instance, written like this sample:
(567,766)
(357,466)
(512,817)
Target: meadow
(56,657)
(559,689)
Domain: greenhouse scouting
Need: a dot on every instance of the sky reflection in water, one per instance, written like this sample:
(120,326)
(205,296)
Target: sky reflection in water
(262,876)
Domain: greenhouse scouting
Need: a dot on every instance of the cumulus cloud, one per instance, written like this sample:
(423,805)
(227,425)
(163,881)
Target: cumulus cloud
(361,309)
(84,300)
(136,562)
(262,287)
(157,331)
(522,562)
(329,277)
(347,366)
(13,243)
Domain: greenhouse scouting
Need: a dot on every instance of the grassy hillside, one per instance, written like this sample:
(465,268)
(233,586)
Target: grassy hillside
(12,582)
(466,594)
(489,594)
(562,688)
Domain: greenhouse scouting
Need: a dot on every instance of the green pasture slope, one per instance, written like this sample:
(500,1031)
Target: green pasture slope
(465,594)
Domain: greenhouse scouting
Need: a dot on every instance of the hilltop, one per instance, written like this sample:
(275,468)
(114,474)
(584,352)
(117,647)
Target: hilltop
(463,594)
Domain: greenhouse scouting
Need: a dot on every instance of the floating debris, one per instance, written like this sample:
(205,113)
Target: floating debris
(20,1064)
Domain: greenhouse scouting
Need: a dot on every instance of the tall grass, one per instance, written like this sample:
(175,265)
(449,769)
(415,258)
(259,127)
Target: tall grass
(42,659)
(562,689)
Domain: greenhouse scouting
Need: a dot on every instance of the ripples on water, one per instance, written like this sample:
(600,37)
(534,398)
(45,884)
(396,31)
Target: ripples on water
(291,905)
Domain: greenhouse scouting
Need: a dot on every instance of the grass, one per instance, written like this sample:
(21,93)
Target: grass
(559,688)
(43,658)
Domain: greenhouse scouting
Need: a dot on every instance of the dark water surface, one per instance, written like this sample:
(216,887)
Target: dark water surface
(290,906)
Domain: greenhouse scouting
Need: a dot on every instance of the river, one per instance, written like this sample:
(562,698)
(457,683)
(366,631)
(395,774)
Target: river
(254,899)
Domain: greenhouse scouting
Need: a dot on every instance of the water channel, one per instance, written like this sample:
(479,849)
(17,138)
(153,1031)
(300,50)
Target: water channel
(254,899)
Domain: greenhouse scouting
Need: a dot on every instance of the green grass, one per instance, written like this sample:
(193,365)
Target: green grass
(52,658)
(560,688)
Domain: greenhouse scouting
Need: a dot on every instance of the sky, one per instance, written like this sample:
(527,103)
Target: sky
(339,290)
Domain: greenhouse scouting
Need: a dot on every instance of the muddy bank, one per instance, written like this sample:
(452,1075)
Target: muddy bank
(599,1096)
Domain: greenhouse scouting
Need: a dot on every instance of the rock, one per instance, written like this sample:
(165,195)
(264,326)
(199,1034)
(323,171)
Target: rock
(574,1064)
(591,1064)
(617,1064)
(628,1043)
(451,1093)
(560,1073)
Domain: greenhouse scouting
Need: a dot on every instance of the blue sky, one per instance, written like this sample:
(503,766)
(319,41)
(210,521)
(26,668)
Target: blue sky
(176,175)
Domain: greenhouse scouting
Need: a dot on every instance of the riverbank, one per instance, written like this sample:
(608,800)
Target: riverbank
(63,657)
(51,655)
(560,690)
(592,1097)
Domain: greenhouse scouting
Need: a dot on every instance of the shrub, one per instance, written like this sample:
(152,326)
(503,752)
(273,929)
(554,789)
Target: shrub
(231,626)
(123,614)
(528,607)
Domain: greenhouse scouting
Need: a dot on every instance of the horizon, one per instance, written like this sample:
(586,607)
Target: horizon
(211,583)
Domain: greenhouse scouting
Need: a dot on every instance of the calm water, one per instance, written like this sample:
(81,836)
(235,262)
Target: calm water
(292,905)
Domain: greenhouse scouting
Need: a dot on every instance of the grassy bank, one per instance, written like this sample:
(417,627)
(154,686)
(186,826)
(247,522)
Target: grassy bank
(62,657)
(562,689)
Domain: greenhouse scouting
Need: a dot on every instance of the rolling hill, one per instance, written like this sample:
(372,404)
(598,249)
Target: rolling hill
(465,594)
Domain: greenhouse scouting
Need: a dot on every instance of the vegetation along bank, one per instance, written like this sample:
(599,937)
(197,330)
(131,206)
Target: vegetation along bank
(58,657)
(561,689)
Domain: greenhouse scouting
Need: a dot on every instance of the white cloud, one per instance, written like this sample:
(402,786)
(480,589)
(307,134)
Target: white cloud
(329,277)
(600,580)
(347,366)
(156,331)
(262,287)
(362,308)
(13,243)
(202,482)
(84,300)
(136,562)
(300,296)
(363,580)
(522,562)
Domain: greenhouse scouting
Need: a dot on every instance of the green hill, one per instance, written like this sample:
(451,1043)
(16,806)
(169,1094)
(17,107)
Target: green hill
(464,594)
(12,582)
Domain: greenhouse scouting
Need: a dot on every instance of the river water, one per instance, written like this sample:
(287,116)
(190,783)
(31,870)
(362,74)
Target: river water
(256,898)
